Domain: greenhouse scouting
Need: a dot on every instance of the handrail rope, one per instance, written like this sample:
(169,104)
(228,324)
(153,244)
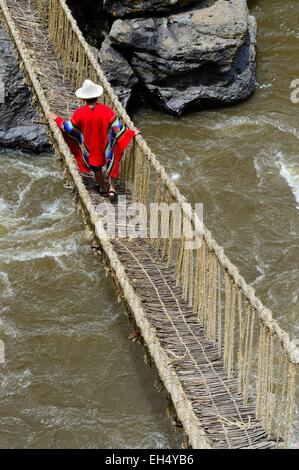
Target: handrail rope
(61,144)
(264,313)
(211,365)
(196,434)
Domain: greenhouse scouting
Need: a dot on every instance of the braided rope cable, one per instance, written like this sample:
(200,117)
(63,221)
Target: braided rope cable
(264,313)
(196,435)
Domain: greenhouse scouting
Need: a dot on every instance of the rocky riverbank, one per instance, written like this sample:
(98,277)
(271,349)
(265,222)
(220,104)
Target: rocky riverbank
(175,54)
(179,54)
(17,115)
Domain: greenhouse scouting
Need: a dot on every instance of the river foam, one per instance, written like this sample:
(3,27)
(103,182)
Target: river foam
(290,173)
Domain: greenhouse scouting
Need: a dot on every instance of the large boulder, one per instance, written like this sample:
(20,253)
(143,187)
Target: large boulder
(17,116)
(118,71)
(206,88)
(121,8)
(202,56)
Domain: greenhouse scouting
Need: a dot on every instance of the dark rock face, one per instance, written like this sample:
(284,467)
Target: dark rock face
(199,57)
(207,87)
(118,71)
(121,8)
(91,19)
(17,116)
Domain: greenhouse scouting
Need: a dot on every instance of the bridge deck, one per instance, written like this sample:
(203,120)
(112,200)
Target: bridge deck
(219,408)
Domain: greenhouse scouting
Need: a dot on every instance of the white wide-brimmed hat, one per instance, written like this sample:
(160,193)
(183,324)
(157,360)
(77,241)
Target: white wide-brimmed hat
(89,90)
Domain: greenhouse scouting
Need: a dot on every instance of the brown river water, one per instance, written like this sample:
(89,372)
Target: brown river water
(71,377)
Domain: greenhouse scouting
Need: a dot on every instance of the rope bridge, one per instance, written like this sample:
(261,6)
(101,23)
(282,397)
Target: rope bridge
(229,368)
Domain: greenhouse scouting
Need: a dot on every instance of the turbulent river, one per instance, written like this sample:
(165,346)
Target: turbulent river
(72,378)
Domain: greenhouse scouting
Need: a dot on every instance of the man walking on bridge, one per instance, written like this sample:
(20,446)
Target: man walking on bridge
(96,137)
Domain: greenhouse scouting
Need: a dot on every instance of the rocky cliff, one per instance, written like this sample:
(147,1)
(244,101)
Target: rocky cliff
(17,116)
(202,56)
(180,54)
(177,54)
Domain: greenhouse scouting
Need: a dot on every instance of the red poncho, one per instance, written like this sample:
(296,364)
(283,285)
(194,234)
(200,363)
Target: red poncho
(96,137)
